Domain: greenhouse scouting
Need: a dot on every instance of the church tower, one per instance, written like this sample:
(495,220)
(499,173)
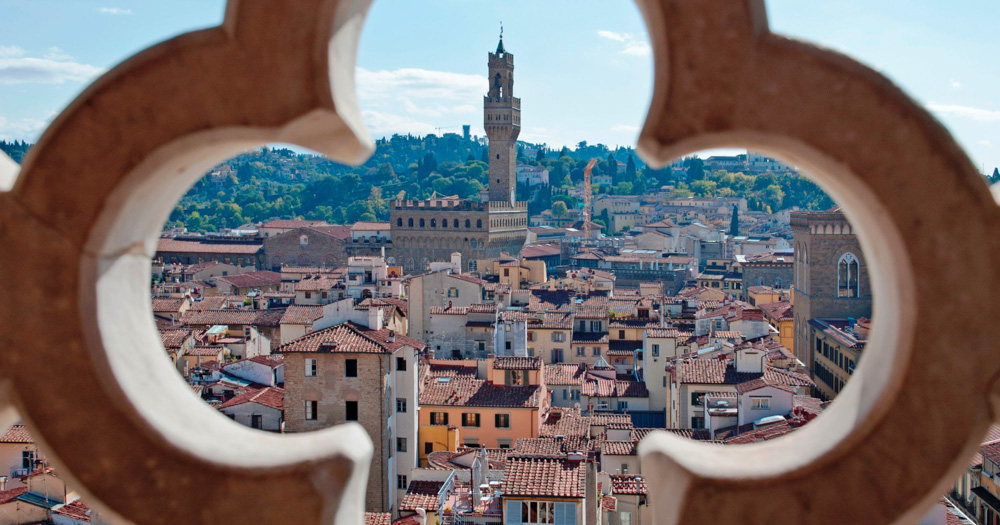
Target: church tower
(502,120)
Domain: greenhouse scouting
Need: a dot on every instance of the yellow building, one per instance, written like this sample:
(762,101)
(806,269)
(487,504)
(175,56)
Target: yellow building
(549,337)
(514,273)
(758,295)
(491,403)
(779,314)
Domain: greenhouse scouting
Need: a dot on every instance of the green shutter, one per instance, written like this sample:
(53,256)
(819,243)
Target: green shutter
(565,513)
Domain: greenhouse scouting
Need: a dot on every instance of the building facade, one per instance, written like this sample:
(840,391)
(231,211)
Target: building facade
(831,275)
(426,231)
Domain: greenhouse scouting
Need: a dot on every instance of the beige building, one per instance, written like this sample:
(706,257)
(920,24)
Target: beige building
(438,289)
(549,337)
(512,272)
(351,373)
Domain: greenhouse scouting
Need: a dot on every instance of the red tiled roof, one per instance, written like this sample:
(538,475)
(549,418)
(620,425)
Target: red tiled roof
(219,317)
(779,311)
(517,363)
(719,371)
(196,246)
(369,226)
(604,419)
(269,396)
(206,351)
(77,510)
(301,314)
(609,503)
(12,494)
(991,451)
(565,374)
(349,338)
(174,338)
(541,476)
(16,434)
(628,484)
(667,333)
(421,494)
(319,283)
(567,422)
(462,391)
(618,448)
(595,386)
(542,446)
(378,518)
(252,279)
(467,278)
(168,304)
(539,250)
(273,361)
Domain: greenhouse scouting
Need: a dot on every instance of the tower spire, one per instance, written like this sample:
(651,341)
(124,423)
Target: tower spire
(500,45)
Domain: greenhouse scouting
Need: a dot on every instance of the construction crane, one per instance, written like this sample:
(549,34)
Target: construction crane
(586,198)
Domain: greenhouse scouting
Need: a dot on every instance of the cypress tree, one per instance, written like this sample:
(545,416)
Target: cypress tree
(734,224)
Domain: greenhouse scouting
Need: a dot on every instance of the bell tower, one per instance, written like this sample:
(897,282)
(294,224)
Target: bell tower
(502,121)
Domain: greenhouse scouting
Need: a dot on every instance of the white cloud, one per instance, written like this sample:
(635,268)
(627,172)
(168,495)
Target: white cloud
(54,53)
(45,71)
(11,51)
(418,101)
(956,84)
(25,129)
(634,46)
(114,11)
(952,110)
(624,128)
(985,142)
(611,35)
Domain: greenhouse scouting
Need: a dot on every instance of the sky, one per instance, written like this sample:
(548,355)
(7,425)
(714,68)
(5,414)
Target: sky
(583,68)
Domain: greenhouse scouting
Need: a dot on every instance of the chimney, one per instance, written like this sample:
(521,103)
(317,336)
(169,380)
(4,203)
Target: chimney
(392,336)
(456,261)
(3,483)
(375,317)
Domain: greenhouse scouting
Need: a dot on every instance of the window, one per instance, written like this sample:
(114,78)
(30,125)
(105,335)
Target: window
(303,240)
(256,421)
(401,405)
(324,295)
(246,332)
(311,367)
(580,351)
(621,334)
(308,295)
(428,447)
(718,324)
(506,272)
(421,223)
(409,222)
(401,364)
(696,398)
(351,408)
(557,355)
(656,350)
(624,518)
(351,367)
(401,482)
(540,512)
(622,405)
(399,222)
(697,422)
(595,326)
(664,381)
(760,403)
(400,444)
(597,351)
(311,409)
(574,395)
(507,345)
(503,420)
(848,271)
(439,418)
(28,459)
(470,419)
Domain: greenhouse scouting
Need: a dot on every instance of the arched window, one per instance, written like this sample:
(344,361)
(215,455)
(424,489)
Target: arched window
(399,222)
(454,223)
(409,222)
(421,223)
(848,276)
(473,244)
(777,283)
(468,224)
(479,223)
(434,223)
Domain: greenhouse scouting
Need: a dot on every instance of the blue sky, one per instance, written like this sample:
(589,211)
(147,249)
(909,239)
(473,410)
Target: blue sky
(583,67)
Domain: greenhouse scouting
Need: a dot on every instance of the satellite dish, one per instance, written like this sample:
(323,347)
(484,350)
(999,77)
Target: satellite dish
(576,405)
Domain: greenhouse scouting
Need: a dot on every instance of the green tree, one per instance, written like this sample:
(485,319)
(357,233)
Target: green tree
(695,168)
(734,223)
(540,155)
(703,188)
(611,167)
(996,176)
(559,209)
(630,174)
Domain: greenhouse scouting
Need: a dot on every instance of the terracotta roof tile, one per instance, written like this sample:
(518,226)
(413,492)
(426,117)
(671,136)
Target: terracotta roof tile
(349,338)
(16,434)
(540,476)
(269,396)
(565,374)
(198,246)
(301,314)
(11,494)
(174,338)
(168,304)
(628,484)
(378,518)
(421,494)
(517,363)
(618,448)
(567,422)
(463,391)
(253,279)
(77,510)
(220,317)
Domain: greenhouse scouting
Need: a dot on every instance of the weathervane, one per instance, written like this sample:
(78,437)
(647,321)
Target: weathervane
(501,30)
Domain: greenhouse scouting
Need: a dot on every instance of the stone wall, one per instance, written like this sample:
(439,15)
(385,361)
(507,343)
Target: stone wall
(332,389)
(774,275)
(287,249)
